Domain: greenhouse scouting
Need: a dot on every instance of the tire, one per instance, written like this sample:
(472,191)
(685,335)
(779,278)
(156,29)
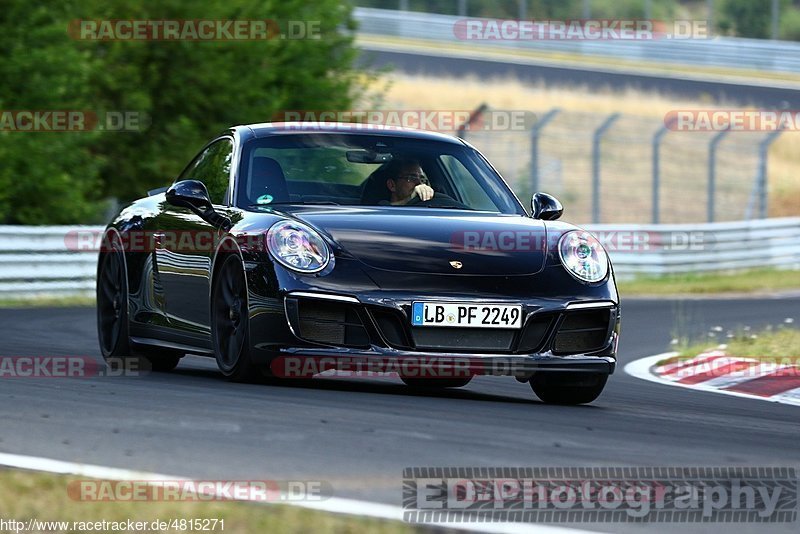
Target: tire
(435,383)
(112,305)
(230,335)
(113,325)
(568,388)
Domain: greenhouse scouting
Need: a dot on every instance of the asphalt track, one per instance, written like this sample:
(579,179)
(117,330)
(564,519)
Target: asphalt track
(358,434)
(710,90)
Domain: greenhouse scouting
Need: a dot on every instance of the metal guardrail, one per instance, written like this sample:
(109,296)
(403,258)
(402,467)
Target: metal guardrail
(727,52)
(663,249)
(37,261)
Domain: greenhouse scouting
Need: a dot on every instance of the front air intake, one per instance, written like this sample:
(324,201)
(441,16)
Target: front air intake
(582,332)
(462,339)
(329,323)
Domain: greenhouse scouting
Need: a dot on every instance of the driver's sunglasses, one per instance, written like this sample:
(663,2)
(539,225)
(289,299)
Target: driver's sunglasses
(415,178)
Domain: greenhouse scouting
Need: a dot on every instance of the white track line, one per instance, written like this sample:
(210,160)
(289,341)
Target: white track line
(641,369)
(334,505)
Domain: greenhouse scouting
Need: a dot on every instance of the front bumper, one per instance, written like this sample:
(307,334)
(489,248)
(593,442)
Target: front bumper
(362,342)
(301,363)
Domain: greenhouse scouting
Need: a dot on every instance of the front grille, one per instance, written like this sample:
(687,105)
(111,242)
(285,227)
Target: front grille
(331,323)
(582,332)
(492,339)
(349,325)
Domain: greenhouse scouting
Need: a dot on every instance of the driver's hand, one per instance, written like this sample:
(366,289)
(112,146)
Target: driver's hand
(423,191)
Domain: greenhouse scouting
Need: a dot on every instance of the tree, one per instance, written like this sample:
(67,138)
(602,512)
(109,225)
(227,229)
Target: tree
(188,91)
(750,18)
(44,176)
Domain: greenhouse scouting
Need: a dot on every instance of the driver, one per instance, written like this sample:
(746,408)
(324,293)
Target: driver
(406,181)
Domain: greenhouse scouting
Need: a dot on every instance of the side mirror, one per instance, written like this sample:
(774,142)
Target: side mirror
(193,194)
(190,194)
(546,207)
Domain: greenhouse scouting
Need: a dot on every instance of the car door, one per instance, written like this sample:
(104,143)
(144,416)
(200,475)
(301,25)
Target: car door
(185,243)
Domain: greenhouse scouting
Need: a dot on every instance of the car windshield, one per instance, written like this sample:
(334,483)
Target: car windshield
(369,170)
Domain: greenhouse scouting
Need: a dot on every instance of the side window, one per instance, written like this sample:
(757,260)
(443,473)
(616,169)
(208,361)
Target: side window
(212,167)
(470,190)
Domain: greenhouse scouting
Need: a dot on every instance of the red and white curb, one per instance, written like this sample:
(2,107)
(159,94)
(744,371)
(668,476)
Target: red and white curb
(719,372)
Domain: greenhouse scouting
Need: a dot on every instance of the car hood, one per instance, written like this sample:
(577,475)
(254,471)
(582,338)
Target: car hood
(433,241)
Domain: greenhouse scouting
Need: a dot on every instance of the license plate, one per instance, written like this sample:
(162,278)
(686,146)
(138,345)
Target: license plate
(457,314)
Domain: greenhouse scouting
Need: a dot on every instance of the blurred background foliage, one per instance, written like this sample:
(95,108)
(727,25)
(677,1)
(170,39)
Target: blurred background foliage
(190,91)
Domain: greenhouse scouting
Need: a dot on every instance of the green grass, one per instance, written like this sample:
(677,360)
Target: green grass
(753,281)
(48,302)
(26,495)
(773,345)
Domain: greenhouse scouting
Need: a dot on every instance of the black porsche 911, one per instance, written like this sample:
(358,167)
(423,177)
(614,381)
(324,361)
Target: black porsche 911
(294,249)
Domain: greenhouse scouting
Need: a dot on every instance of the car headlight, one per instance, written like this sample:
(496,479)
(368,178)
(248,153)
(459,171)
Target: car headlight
(298,247)
(583,256)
